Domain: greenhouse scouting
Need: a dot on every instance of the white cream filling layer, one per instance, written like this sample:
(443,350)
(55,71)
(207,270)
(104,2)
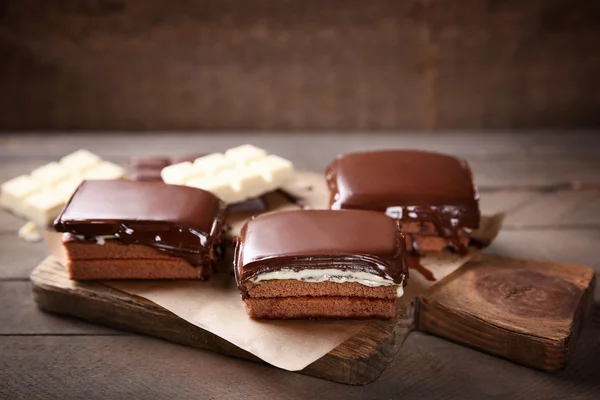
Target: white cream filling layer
(99,239)
(329,275)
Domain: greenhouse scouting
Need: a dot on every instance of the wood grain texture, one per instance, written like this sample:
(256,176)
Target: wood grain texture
(337,65)
(358,361)
(20,316)
(210,65)
(16,256)
(526,311)
(507,144)
(138,366)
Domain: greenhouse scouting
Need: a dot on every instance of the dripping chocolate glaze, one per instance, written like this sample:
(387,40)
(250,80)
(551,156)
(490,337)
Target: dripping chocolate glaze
(317,239)
(181,221)
(418,185)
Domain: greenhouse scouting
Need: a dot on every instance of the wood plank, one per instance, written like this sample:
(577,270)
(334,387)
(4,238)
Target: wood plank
(432,367)
(429,367)
(10,223)
(513,64)
(577,246)
(20,316)
(508,144)
(299,65)
(357,361)
(534,209)
(530,312)
(17,257)
(147,65)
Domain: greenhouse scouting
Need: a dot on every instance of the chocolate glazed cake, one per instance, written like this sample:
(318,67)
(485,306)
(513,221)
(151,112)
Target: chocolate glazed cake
(431,194)
(116,229)
(321,264)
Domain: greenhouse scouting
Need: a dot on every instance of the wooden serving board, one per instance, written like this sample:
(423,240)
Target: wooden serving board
(526,311)
(358,361)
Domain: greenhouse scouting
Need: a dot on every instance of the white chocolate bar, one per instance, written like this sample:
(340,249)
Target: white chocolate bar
(212,164)
(245,154)
(216,186)
(177,174)
(50,174)
(242,172)
(245,182)
(44,207)
(14,192)
(80,160)
(275,170)
(42,194)
(67,187)
(105,170)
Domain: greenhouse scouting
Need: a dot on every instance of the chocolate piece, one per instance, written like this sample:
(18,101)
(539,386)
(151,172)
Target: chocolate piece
(180,221)
(144,174)
(412,186)
(253,205)
(155,162)
(147,168)
(328,255)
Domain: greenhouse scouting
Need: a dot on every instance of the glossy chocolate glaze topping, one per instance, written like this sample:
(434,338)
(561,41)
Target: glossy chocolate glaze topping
(408,185)
(182,221)
(364,241)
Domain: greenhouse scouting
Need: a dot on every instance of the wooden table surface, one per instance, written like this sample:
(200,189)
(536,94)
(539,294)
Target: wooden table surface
(548,182)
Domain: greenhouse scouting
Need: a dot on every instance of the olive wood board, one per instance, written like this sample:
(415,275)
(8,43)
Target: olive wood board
(526,311)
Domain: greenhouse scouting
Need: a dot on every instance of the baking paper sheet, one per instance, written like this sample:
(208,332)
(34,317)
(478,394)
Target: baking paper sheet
(216,306)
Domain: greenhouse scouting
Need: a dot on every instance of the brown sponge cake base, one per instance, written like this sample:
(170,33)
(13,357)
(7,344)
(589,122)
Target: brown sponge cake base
(132,269)
(111,249)
(320,307)
(88,260)
(294,288)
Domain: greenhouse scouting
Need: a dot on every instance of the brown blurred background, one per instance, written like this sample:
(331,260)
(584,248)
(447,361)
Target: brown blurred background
(299,64)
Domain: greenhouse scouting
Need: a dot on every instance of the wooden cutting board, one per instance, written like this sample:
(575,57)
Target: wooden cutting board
(526,311)
(357,361)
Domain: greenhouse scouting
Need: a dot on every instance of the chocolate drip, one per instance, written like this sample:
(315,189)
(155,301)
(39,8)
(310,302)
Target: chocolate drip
(189,244)
(443,219)
(415,263)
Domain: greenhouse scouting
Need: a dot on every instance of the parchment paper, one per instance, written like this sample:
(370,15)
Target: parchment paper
(216,306)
